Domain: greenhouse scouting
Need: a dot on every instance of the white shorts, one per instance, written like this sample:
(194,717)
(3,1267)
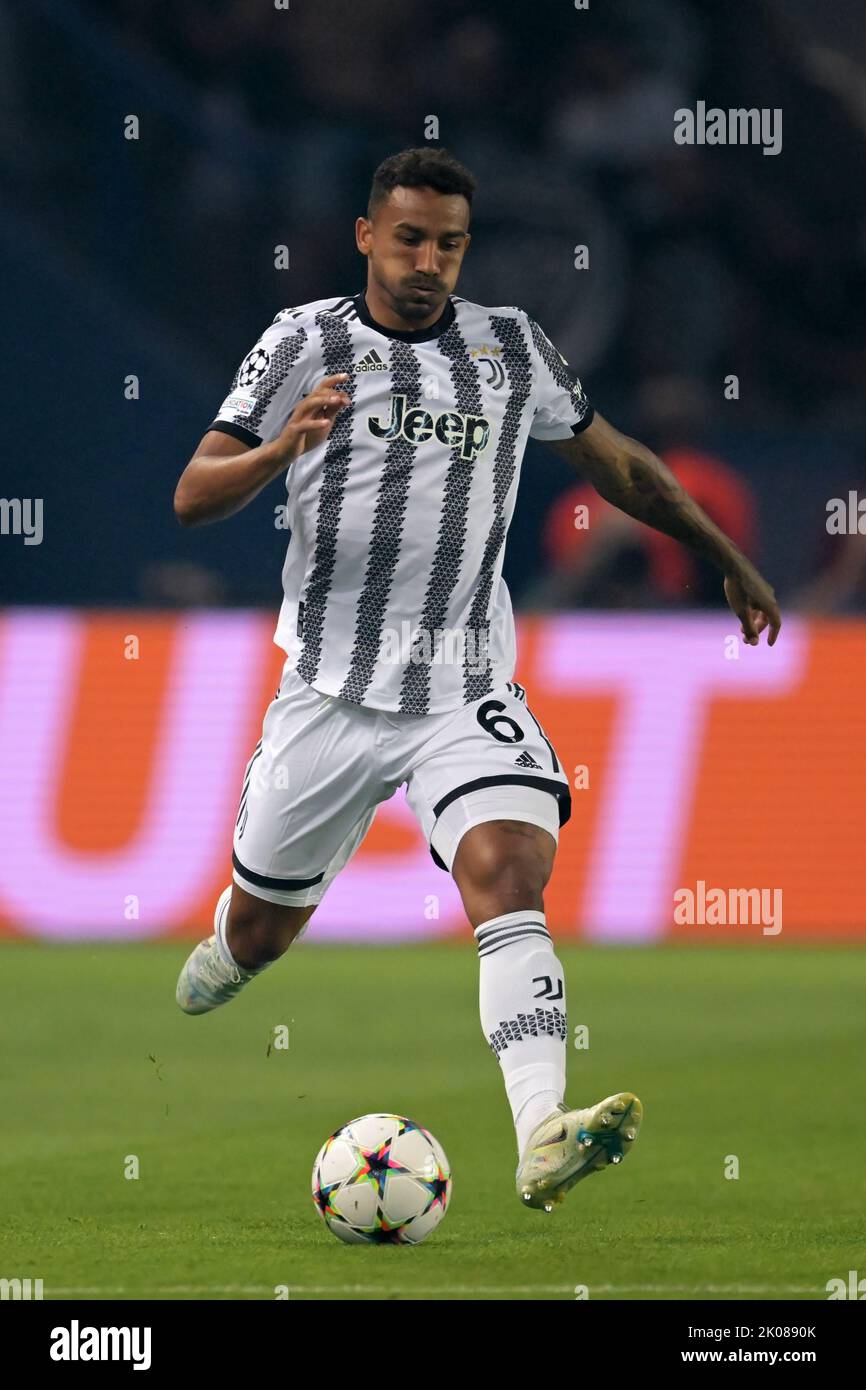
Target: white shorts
(323,765)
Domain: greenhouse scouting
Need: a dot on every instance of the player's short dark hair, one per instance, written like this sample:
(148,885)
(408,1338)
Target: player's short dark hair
(427,167)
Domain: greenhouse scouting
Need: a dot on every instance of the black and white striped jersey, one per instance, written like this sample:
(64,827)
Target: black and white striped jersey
(393,588)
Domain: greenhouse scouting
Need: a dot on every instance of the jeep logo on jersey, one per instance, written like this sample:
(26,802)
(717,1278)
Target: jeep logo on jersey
(466,433)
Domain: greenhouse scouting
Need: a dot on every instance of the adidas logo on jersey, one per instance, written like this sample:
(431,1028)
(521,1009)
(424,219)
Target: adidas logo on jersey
(526,760)
(371,362)
(468,434)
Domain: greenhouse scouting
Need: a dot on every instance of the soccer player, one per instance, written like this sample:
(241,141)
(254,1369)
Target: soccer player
(399,417)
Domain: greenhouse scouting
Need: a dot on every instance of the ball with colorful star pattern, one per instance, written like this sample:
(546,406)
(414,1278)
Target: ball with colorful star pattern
(381,1179)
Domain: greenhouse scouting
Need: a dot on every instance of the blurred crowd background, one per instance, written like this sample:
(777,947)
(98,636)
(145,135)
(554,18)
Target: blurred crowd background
(261,127)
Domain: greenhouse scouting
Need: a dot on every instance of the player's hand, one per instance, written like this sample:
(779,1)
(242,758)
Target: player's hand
(753,601)
(312,419)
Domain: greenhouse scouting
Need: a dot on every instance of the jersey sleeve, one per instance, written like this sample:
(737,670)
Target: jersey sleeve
(268,384)
(561,407)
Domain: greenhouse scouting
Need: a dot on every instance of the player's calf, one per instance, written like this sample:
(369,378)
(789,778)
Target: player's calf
(255,932)
(249,934)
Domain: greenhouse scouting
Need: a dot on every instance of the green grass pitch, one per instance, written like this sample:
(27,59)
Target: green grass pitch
(753,1052)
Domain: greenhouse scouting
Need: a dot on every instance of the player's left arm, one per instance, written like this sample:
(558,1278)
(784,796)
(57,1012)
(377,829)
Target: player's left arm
(631,477)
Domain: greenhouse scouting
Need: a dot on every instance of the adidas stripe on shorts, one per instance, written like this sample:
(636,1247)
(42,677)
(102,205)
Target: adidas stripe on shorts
(324,764)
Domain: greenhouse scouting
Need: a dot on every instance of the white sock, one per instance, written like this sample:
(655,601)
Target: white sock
(522,1000)
(220,919)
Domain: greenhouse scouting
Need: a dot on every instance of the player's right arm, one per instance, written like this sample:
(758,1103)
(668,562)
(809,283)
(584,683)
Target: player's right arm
(224,474)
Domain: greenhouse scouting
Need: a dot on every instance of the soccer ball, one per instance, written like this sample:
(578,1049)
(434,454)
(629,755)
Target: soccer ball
(381,1179)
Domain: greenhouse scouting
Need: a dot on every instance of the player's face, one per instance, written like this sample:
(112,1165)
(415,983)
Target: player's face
(415,243)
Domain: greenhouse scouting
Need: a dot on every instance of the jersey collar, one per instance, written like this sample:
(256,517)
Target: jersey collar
(414,335)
